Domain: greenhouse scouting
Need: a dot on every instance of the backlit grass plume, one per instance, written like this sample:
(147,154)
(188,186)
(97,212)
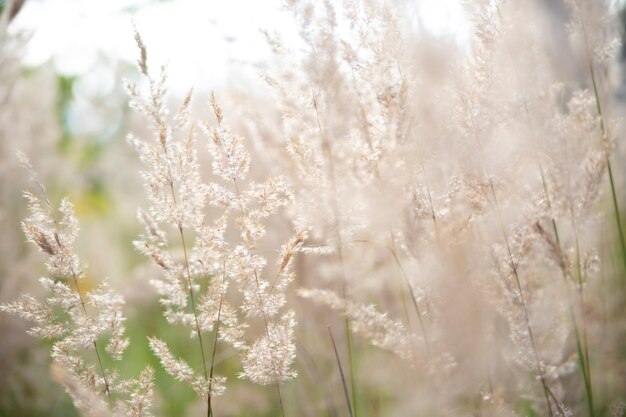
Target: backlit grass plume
(194,289)
(82,325)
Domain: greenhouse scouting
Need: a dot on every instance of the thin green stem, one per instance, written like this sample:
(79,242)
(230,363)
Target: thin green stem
(582,347)
(352,366)
(583,363)
(545,189)
(616,210)
(217,331)
(620,230)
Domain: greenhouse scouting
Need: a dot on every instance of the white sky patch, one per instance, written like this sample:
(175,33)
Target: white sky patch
(198,39)
(445,18)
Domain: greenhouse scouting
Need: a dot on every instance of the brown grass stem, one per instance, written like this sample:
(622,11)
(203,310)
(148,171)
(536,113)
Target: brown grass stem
(217,330)
(343,378)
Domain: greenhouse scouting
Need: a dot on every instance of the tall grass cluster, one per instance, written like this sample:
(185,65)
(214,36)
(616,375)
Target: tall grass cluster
(404,226)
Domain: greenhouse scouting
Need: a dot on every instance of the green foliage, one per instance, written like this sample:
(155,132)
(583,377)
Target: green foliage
(65,96)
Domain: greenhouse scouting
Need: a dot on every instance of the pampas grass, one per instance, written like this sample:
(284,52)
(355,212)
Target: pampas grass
(454,209)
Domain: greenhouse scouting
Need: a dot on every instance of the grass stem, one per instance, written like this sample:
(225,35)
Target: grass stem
(343,378)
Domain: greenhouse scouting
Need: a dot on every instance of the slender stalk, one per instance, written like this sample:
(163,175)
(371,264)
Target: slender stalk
(351,362)
(432,206)
(189,282)
(582,348)
(217,330)
(618,220)
(614,199)
(616,210)
(343,378)
(583,362)
(317,380)
(195,316)
(193,303)
(44,195)
(267,333)
(243,213)
(545,190)
(280,399)
(258,286)
(413,297)
(335,205)
(95,343)
(546,390)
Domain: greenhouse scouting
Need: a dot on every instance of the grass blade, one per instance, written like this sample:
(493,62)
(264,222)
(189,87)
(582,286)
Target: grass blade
(343,378)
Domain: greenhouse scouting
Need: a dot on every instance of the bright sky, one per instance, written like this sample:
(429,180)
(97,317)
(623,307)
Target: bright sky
(197,38)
